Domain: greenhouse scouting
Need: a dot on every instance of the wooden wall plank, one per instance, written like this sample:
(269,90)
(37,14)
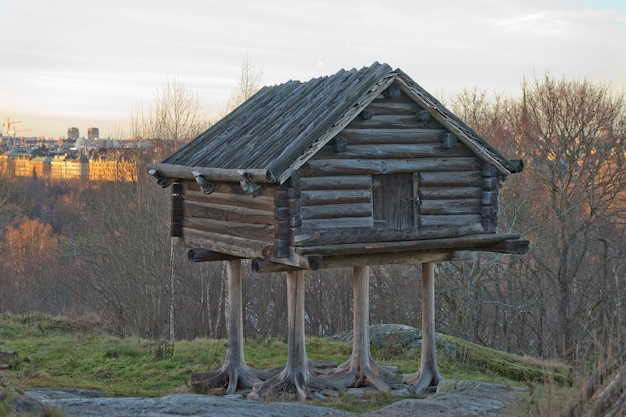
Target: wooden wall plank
(448,193)
(335,223)
(315,197)
(394,121)
(259,232)
(395,151)
(336,182)
(451,207)
(265,203)
(451,179)
(322,167)
(395,108)
(227,213)
(232,245)
(327,211)
(388,121)
(450,220)
(399,136)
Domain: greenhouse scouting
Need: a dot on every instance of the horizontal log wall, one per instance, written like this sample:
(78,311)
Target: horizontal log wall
(392,136)
(336,202)
(229,220)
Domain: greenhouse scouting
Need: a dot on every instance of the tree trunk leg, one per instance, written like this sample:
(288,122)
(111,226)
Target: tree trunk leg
(234,372)
(298,374)
(428,374)
(360,369)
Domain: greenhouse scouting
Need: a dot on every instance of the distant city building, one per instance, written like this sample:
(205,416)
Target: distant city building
(71,168)
(89,143)
(72,159)
(72,133)
(93,133)
(112,169)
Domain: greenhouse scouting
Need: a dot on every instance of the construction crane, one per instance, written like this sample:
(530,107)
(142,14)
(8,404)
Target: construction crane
(8,128)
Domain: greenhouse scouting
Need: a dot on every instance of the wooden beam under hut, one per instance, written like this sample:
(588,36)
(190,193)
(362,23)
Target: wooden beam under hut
(203,255)
(317,262)
(484,242)
(510,247)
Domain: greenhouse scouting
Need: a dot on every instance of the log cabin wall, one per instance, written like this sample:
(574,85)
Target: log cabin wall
(393,173)
(229,220)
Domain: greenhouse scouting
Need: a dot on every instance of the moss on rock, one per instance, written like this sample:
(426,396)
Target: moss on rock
(392,340)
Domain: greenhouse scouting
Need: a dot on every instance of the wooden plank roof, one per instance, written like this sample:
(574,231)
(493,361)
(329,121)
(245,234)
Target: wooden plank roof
(279,128)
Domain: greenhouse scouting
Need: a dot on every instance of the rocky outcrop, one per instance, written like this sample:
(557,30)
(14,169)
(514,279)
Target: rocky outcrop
(452,398)
(74,403)
(388,340)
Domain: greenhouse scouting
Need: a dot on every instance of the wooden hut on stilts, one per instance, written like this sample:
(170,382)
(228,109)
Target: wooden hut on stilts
(363,167)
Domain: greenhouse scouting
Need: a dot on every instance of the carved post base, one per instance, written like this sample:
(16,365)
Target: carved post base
(299,375)
(360,369)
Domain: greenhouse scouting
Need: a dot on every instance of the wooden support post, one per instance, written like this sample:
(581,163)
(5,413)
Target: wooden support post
(295,375)
(234,315)
(234,372)
(428,374)
(360,369)
(298,375)
(297,359)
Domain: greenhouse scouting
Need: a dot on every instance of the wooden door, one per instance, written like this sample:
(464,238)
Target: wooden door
(393,198)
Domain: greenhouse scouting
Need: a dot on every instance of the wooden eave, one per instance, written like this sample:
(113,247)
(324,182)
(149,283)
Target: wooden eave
(183,172)
(337,124)
(280,127)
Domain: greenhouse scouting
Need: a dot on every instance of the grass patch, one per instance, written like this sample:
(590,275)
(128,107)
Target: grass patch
(59,353)
(73,355)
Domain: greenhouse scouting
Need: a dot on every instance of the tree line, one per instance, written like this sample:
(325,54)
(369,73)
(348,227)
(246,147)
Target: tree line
(104,251)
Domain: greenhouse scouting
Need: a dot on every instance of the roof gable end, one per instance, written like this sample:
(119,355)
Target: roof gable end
(451,122)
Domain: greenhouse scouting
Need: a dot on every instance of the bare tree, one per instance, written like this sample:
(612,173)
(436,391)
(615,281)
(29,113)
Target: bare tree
(122,256)
(568,201)
(575,133)
(248,83)
(175,114)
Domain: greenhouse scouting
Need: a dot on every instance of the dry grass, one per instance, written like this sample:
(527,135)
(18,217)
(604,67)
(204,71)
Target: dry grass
(600,392)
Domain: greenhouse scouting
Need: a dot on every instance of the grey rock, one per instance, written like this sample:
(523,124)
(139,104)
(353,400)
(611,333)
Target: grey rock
(356,392)
(86,405)
(478,398)
(453,397)
(400,392)
(22,403)
(394,339)
(329,393)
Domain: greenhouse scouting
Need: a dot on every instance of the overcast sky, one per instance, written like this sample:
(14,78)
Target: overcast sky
(90,63)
